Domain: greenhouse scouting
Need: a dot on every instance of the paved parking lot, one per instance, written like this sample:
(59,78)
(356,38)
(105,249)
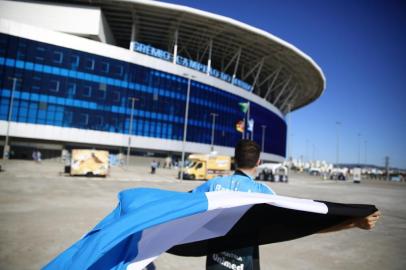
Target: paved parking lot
(42,212)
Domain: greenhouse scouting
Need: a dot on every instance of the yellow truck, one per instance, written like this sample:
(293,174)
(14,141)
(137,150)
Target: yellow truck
(206,167)
(89,162)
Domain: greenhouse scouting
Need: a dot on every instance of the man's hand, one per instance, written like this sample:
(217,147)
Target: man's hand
(367,223)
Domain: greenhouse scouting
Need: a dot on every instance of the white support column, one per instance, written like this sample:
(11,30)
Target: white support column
(291,102)
(175,46)
(209,58)
(133,31)
(267,78)
(288,97)
(252,70)
(258,72)
(236,64)
(236,55)
(282,91)
(269,90)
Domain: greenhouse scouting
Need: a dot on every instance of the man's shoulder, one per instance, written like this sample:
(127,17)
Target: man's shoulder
(265,188)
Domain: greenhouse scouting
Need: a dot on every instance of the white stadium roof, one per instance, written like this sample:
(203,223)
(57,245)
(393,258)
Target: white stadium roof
(278,71)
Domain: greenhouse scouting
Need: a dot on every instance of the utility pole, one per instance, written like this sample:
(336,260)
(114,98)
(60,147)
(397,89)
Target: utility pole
(338,143)
(387,167)
(10,112)
(133,99)
(263,138)
(359,148)
(185,124)
(214,115)
(307,150)
(366,147)
(288,131)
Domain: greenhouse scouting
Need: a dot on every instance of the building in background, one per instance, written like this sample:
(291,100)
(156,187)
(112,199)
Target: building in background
(73,68)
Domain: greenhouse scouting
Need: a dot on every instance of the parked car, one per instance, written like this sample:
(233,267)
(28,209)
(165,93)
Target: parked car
(337,176)
(272,172)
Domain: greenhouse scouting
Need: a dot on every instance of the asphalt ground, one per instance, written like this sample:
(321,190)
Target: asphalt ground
(43,212)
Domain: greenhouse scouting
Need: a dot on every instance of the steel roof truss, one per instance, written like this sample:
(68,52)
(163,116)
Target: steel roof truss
(258,72)
(236,55)
(269,90)
(252,69)
(288,97)
(282,91)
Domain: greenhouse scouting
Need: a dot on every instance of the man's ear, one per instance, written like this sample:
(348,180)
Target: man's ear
(258,162)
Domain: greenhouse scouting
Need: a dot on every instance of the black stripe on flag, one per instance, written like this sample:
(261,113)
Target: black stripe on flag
(265,224)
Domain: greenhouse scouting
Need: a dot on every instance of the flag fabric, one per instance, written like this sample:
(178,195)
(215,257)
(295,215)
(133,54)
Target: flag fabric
(244,106)
(250,127)
(240,126)
(148,222)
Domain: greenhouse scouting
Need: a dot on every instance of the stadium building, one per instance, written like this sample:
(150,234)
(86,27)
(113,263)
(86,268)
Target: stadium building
(107,74)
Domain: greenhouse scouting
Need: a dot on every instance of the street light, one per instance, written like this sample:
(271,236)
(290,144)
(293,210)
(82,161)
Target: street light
(10,112)
(366,144)
(359,148)
(212,130)
(263,137)
(307,157)
(189,77)
(133,99)
(338,143)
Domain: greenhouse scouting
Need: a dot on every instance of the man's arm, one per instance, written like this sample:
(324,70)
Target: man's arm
(365,223)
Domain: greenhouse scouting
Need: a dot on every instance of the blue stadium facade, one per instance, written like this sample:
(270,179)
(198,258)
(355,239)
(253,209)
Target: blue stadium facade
(74,90)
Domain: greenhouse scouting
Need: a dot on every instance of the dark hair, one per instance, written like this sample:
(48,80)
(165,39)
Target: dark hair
(246,154)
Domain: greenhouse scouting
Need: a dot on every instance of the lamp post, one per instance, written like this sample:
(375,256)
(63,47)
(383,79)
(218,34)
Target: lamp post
(338,143)
(189,77)
(366,147)
(214,115)
(288,130)
(263,137)
(133,99)
(359,148)
(307,157)
(10,112)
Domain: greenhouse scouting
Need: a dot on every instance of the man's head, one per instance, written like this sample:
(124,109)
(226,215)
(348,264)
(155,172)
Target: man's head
(246,154)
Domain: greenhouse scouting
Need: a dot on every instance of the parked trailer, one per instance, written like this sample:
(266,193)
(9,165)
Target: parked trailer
(89,162)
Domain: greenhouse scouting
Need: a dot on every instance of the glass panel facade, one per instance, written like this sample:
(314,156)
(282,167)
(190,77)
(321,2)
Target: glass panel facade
(69,88)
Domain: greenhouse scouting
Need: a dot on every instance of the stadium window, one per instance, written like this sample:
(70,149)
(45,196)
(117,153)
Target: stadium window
(57,57)
(118,70)
(71,89)
(98,122)
(140,125)
(89,64)
(83,119)
(146,128)
(21,51)
(87,90)
(55,86)
(105,67)
(67,118)
(102,87)
(116,96)
(43,105)
(3,45)
(101,94)
(4,108)
(155,95)
(32,112)
(39,54)
(74,61)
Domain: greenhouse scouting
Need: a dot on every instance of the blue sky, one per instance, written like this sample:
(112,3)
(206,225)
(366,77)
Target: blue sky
(361,48)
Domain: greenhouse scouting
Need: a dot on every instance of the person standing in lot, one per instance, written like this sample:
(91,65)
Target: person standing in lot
(247,159)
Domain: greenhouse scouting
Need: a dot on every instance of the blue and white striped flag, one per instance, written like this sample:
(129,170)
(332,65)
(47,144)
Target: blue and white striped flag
(148,222)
